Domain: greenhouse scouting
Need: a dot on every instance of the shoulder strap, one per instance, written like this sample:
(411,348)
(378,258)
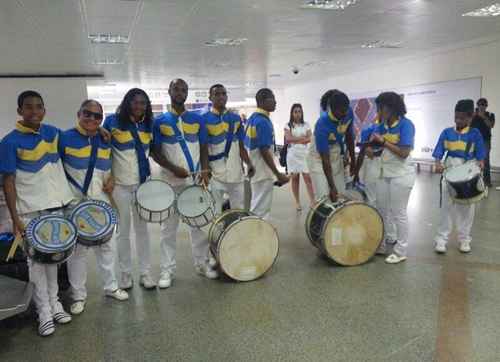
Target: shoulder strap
(144,169)
(90,170)
(185,149)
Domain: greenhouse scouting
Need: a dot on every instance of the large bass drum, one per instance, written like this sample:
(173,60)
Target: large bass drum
(245,245)
(347,232)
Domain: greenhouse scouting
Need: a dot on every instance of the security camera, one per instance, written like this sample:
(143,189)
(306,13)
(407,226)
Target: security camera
(295,70)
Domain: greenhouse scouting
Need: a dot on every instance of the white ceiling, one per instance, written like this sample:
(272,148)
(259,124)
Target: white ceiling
(167,37)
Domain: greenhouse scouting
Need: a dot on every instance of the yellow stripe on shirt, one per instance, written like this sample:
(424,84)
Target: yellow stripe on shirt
(392,137)
(217,129)
(125,136)
(457,146)
(84,152)
(39,151)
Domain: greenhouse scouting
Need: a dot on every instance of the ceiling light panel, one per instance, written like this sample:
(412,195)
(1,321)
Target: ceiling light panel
(488,11)
(109,39)
(381,44)
(225,42)
(328,4)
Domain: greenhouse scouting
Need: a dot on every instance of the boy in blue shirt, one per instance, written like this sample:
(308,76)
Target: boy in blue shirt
(35,185)
(460,144)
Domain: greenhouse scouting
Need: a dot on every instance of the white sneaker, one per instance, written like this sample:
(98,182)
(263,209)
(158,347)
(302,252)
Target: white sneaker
(46,327)
(147,282)
(127,282)
(77,307)
(465,247)
(60,315)
(118,294)
(206,271)
(440,248)
(165,280)
(395,259)
(212,263)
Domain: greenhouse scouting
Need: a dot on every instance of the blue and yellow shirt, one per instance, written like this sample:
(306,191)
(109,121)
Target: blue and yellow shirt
(75,148)
(455,142)
(224,169)
(259,134)
(194,132)
(125,163)
(33,157)
(400,133)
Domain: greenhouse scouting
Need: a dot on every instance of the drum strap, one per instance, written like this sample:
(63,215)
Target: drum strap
(185,149)
(229,142)
(90,170)
(144,169)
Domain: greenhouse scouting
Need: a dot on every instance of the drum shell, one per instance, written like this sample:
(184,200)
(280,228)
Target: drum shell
(204,218)
(251,261)
(471,189)
(357,238)
(155,216)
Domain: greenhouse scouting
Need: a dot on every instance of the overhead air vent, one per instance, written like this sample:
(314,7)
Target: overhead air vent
(328,4)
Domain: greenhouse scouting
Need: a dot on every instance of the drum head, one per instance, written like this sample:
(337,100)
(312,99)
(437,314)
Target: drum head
(353,233)
(462,173)
(248,248)
(51,233)
(155,195)
(194,201)
(93,219)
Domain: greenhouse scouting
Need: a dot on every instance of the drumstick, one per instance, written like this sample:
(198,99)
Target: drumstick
(14,246)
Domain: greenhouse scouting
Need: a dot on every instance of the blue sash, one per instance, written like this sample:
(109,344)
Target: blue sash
(182,142)
(144,169)
(229,142)
(90,170)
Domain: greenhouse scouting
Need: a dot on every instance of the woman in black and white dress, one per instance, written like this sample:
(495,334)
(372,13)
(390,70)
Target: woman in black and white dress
(298,136)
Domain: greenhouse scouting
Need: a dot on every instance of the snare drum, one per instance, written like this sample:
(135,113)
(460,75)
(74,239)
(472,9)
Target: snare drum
(95,222)
(465,183)
(50,239)
(196,206)
(155,201)
(244,245)
(347,232)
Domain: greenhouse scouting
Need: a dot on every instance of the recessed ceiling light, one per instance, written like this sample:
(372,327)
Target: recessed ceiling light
(225,42)
(108,38)
(382,44)
(316,63)
(109,61)
(491,10)
(328,4)
(276,75)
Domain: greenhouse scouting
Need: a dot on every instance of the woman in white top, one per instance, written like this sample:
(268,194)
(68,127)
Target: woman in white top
(297,136)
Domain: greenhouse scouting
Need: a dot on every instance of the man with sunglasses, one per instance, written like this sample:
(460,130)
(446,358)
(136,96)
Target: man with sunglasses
(484,121)
(75,149)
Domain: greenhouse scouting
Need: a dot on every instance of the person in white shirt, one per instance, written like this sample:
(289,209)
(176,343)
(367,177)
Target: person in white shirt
(131,134)
(226,150)
(180,147)
(75,150)
(396,136)
(259,141)
(297,137)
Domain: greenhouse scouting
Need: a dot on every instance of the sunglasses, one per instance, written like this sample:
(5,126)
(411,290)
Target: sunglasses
(88,114)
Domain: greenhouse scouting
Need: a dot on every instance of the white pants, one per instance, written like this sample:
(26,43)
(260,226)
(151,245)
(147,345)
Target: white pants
(44,279)
(235,191)
(77,269)
(124,197)
(371,196)
(262,198)
(392,200)
(199,242)
(320,184)
(453,213)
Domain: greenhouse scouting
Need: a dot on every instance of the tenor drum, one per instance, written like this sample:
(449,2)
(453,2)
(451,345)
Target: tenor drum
(196,206)
(50,239)
(465,183)
(245,245)
(347,232)
(155,201)
(95,222)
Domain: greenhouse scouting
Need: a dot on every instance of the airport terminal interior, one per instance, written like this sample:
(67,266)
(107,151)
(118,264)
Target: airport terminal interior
(263,180)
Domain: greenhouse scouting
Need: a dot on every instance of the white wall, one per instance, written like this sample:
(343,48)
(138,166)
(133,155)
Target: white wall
(62,97)
(479,61)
